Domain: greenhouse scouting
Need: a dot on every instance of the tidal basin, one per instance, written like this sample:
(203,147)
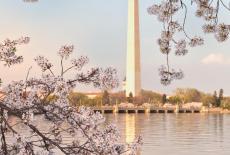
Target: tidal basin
(167,133)
(176,134)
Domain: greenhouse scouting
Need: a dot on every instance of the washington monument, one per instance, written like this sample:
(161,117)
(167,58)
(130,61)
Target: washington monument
(133,67)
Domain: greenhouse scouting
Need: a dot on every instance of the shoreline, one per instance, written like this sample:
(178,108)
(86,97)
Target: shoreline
(217,110)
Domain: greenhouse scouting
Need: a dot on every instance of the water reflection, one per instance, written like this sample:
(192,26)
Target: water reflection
(177,134)
(130,128)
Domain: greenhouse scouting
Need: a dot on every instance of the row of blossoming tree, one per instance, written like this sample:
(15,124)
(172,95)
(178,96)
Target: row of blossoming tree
(22,99)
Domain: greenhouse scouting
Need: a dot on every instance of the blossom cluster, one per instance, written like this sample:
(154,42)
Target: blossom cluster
(167,76)
(43,63)
(8,51)
(165,10)
(80,62)
(107,80)
(65,51)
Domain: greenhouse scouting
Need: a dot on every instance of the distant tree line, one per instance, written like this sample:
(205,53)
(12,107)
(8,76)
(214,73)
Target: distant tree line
(107,98)
(180,96)
(186,95)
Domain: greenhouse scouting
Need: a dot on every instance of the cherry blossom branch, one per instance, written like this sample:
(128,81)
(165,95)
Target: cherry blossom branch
(23,99)
(166,10)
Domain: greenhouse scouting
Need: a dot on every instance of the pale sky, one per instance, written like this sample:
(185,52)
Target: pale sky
(97,28)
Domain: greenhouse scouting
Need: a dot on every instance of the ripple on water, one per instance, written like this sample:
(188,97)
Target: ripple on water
(170,134)
(177,134)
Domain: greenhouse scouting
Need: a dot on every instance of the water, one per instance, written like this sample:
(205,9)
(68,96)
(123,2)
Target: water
(176,134)
(170,134)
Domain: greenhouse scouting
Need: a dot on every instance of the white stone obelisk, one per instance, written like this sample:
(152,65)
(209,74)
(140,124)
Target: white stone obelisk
(133,67)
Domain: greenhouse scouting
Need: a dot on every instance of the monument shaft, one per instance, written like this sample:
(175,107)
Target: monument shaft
(133,77)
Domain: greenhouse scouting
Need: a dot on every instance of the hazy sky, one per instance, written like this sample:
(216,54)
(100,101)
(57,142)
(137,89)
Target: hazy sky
(98,29)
